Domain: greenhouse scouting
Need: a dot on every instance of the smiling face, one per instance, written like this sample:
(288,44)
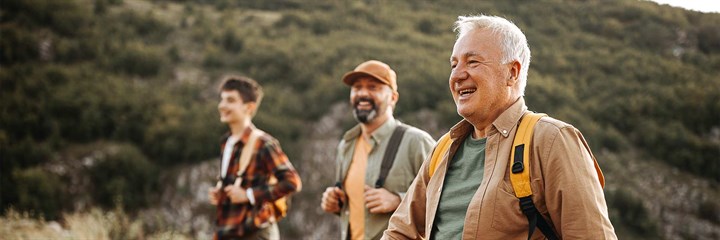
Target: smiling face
(370,98)
(232,108)
(481,85)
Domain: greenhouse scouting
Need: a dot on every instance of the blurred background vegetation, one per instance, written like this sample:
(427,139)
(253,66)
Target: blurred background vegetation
(102,101)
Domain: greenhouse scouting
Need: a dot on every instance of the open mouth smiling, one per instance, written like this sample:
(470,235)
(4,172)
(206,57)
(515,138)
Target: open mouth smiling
(463,93)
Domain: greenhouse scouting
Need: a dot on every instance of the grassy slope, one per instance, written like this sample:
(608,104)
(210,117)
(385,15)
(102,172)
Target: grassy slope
(622,73)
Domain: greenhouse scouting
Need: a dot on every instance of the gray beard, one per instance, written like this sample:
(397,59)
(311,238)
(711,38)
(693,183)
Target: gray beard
(364,116)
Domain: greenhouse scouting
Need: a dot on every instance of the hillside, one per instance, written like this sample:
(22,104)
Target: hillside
(112,103)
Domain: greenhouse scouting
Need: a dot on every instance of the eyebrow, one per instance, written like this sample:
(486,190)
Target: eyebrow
(467,55)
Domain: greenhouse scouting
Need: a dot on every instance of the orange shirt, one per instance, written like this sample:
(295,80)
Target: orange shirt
(355,187)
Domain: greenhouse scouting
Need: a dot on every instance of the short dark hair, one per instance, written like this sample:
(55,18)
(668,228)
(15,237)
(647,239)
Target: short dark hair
(249,89)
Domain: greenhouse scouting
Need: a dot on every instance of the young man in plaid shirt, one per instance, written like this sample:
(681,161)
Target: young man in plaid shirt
(245,197)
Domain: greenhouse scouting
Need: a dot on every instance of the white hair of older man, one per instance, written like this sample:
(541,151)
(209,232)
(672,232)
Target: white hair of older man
(513,40)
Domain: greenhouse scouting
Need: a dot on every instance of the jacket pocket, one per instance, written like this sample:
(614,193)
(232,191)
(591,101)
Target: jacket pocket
(507,216)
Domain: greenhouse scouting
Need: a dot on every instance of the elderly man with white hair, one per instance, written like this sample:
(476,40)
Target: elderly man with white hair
(471,188)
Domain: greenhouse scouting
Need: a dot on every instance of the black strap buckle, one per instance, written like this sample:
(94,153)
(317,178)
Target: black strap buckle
(518,166)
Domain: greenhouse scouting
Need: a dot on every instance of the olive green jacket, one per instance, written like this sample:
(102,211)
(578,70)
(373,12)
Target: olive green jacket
(415,146)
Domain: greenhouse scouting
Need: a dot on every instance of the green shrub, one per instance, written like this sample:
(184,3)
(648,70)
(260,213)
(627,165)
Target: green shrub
(183,134)
(39,191)
(629,213)
(145,25)
(232,42)
(64,17)
(427,26)
(710,210)
(17,45)
(125,177)
(138,59)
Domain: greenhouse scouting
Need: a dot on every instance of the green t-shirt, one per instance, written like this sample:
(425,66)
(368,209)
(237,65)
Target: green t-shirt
(462,180)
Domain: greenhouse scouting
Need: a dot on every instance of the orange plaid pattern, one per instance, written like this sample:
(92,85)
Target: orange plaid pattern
(235,220)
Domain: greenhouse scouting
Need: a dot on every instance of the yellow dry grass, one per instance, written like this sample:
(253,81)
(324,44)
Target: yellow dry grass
(94,224)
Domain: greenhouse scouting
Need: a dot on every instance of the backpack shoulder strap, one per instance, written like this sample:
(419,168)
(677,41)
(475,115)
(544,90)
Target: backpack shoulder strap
(247,152)
(520,175)
(390,152)
(442,147)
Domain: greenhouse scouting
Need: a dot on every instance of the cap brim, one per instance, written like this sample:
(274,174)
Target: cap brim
(350,77)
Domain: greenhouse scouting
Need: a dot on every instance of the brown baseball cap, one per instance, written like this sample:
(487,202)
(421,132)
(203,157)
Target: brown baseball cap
(375,69)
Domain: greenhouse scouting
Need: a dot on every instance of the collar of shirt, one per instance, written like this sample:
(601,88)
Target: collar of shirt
(378,136)
(503,124)
(244,136)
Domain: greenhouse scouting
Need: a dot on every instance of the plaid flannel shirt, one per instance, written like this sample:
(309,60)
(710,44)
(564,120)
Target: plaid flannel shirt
(235,220)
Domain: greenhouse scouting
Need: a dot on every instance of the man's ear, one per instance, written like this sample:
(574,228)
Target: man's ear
(515,67)
(251,108)
(394,98)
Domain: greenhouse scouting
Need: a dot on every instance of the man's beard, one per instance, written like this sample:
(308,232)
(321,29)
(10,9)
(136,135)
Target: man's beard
(364,116)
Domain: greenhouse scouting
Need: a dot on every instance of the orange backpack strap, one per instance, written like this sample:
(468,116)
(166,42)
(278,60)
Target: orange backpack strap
(440,150)
(281,204)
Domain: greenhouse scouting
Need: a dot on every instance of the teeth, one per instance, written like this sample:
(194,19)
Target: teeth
(466,91)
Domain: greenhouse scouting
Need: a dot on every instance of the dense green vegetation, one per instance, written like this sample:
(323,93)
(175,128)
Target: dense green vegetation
(144,74)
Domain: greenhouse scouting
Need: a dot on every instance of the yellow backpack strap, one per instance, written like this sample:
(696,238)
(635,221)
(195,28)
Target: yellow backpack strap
(442,147)
(520,155)
(520,176)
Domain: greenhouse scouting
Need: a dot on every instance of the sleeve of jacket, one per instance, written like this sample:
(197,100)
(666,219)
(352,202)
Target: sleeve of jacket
(338,169)
(421,144)
(408,221)
(279,165)
(574,196)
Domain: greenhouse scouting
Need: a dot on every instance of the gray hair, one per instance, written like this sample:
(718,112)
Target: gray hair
(514,43)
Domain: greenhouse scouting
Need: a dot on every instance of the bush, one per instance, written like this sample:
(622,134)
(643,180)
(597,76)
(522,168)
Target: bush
(64,17)
(125,177)
(40,191)
(138,59)
(232,42)
(629,212)
(427,26)
(146,25)
(183,134)
(710,211)
(17,45)
(74,50)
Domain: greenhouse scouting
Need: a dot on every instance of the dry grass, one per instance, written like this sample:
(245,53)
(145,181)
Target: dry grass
(15,225)
(91,225)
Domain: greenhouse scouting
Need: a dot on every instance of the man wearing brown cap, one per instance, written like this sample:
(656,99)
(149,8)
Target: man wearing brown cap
(377,159)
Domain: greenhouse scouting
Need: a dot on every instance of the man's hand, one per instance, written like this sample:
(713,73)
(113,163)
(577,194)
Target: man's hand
(331,199)
(214,195)
(236,194)
(380,200)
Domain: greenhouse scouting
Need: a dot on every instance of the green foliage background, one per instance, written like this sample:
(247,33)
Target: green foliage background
(629,74)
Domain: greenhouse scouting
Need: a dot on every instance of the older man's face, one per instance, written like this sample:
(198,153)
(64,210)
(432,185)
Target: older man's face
(479,80)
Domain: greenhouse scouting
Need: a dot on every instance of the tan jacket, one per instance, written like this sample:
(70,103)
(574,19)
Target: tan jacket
(565,186)
(415,147)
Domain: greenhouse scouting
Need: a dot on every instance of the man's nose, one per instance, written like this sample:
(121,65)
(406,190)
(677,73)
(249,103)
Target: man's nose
(458,74)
